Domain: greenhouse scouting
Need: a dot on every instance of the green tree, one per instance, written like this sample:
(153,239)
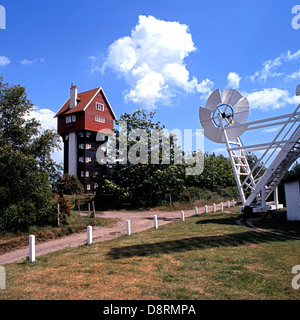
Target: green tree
(26,167)
(69,184)
(141,184)
(293,173)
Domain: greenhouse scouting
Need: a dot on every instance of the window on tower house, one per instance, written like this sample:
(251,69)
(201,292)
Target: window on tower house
(99,106)
(99,119)
(68,119)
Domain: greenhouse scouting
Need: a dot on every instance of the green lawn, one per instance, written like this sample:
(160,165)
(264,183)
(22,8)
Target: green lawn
(205,257)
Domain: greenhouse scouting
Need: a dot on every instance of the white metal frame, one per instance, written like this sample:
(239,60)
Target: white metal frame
(256,184)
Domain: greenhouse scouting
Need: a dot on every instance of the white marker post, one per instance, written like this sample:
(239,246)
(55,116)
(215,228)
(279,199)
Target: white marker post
(155,222)
(31,248)
(196,211)
(228,204)
(206,209)
(233,203)
(222,207)
(182,215)
(214,207)
(128,227)
(89,235)
(58,216)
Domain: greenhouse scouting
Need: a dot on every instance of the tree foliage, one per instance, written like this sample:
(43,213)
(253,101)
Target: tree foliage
(293,173)
(69,184)
(146,184)
(26,167)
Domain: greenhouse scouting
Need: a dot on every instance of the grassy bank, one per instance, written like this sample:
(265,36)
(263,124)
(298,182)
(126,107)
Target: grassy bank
(205,257)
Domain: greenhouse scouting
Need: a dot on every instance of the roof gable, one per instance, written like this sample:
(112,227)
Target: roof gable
(83,101)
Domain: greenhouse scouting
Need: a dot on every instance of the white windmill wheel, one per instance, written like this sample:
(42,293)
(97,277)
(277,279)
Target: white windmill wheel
(223,110)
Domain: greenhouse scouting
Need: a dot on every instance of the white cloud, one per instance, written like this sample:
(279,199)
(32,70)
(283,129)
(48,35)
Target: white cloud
(271,98)
(271,129)
(45,116)
(4,61)
(269,67)
(268,70)
(151,60)
(293,76)
(292,56)
(149,89)
(26,62)
(233,80)
(205,88)
(47,120)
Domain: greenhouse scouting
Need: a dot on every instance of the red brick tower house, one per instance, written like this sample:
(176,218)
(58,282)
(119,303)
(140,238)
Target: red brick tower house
(78,122)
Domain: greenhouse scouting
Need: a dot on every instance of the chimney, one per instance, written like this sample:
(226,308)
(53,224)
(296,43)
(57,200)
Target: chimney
(73,96)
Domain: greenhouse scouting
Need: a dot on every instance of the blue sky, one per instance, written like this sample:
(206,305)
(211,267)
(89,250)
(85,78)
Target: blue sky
(166,54)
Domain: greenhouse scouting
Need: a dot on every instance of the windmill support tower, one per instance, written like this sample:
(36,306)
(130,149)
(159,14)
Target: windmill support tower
(224,121)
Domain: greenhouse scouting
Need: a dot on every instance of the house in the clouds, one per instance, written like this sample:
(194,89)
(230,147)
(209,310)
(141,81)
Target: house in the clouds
(78,121)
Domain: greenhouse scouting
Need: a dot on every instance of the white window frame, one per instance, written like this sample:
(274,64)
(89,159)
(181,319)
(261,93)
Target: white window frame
(88,187)
(99,119)
(68,119)
(87,174)
(88,146)
(99,106)
(88,159)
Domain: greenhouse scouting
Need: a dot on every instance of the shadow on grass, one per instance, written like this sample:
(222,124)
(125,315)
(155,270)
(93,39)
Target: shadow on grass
(194,243)
(219,221)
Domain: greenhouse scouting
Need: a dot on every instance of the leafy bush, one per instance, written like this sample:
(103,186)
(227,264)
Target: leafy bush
(23,215)
(69,184)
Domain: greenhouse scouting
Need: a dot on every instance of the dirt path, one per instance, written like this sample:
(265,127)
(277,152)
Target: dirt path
(139,221)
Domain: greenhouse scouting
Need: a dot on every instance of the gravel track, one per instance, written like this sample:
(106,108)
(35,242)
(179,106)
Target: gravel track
(139,221)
